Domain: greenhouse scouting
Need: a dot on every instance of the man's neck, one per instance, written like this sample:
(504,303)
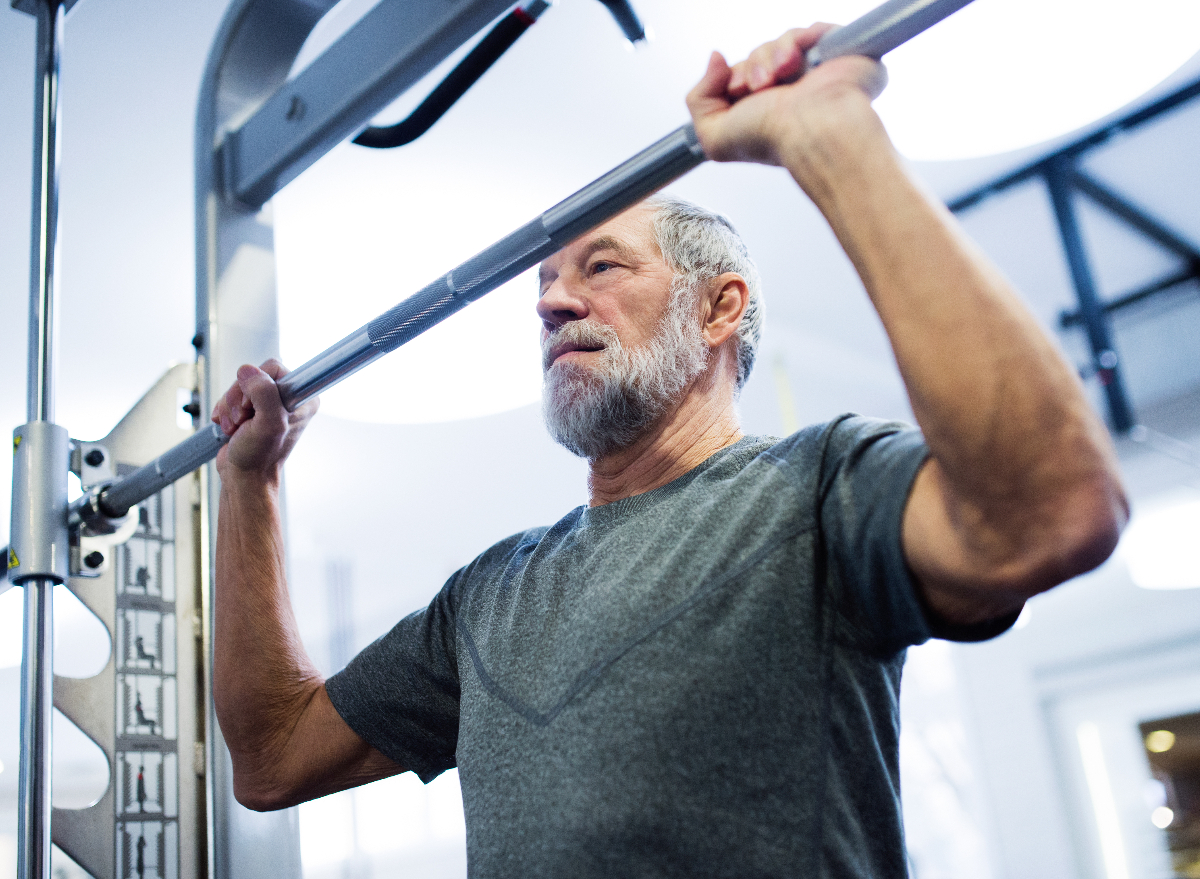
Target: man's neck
(684,438)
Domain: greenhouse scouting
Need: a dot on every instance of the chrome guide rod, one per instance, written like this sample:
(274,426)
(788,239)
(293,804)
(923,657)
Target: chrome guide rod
(875,34)
(36,500)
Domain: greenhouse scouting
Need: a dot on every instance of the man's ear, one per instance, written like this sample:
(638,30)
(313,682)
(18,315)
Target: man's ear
(727,300)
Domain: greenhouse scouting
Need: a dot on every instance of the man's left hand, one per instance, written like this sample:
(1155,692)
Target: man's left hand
(769,109)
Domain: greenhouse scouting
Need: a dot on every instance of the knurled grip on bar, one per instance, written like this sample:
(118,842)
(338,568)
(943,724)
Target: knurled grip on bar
(503,261)
(413,316)
(875,34)
(625,185)
(193,452)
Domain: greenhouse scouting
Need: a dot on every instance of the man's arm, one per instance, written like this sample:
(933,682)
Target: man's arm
(1021,490)
(287,742)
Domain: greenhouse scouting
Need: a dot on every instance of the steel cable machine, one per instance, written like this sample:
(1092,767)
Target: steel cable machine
(137,547)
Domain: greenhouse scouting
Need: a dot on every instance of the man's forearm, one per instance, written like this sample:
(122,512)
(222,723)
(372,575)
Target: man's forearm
(263,679)
(1015,445)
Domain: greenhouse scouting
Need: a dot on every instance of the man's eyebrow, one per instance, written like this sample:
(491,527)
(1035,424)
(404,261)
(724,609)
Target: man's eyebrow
(604,242)
(607,242)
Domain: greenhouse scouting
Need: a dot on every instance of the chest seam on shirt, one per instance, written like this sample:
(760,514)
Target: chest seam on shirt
(593,672)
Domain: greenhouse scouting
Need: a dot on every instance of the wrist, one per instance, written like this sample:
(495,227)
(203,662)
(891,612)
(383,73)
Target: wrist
(841,144)
(253,481)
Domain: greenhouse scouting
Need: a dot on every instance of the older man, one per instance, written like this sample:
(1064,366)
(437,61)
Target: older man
(697,673)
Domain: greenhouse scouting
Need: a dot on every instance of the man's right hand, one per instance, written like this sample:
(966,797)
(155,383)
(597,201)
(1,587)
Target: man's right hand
(263,432)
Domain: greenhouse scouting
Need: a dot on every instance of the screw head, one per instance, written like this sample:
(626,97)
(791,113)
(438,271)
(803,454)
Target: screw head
(94,458)
(94,559)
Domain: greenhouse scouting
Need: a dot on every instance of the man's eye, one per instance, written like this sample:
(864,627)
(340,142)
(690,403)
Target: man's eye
(601,266)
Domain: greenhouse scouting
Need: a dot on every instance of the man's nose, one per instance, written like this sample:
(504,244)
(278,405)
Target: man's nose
(561,303)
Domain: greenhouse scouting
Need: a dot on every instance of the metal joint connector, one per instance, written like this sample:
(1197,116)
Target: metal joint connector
(90,515)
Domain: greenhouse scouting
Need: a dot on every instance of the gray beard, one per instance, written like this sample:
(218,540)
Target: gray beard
(594,411)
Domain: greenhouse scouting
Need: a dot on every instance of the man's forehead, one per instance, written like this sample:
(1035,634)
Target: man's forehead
(631,231)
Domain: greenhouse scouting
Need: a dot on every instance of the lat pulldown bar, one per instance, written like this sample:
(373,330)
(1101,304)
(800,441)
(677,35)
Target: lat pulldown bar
(874,34)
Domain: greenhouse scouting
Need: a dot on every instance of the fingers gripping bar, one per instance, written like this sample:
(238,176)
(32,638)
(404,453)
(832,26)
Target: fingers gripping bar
(875,34)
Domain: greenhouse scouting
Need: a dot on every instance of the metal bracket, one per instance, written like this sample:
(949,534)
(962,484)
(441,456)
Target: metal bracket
(91,463)
(93,533)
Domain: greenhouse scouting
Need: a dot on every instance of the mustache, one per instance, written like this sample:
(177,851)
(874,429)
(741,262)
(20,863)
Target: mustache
(578,334)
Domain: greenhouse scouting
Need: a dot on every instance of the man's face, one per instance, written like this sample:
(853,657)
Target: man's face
(619,344)
(614,277)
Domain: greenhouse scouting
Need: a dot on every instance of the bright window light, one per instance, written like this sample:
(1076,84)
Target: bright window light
(80,772)
(1162,817)
(1112,844)
(81,642)
(350,244)
(997,75)
(326,831)
(1160,545)
(394,816)
(1003,74)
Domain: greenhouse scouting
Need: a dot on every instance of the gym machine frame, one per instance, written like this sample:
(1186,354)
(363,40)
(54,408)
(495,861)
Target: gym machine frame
(256,131)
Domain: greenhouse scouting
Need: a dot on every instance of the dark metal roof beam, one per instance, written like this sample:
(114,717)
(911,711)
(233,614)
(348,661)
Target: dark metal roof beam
(1121,207)
(1073,318)
(1091,309)
(1079,146)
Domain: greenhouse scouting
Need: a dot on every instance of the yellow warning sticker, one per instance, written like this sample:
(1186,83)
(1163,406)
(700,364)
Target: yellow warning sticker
(12,560)
(16,441)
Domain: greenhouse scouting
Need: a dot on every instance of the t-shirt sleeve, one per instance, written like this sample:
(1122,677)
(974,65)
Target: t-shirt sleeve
(401,693)
(867,475)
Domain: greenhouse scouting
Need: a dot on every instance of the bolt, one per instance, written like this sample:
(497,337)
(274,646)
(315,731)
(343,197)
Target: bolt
(94,458)
(94,559)
(295,110)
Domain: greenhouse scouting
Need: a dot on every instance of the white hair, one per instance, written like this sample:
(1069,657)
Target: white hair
(699,244)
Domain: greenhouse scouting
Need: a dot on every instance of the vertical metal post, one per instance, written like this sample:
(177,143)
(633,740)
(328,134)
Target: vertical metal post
(37,667)
(1059,177)
(37,671)
(40,381)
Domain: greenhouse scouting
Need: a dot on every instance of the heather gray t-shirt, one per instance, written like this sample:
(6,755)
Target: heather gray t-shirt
(697,681)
